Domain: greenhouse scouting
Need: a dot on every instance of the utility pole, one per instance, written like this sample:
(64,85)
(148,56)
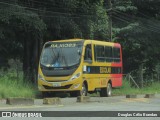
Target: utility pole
(110,19)
(141,75)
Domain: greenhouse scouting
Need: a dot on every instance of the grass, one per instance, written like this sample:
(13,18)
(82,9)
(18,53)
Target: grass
(126,89)
(11,86)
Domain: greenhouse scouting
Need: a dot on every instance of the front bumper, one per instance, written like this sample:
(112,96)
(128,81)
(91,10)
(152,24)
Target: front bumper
(58,86)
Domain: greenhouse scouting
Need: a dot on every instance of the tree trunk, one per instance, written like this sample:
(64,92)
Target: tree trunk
(141,75)
(26,61)
(31,59)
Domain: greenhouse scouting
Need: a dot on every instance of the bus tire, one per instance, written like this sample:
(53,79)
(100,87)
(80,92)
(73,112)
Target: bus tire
(84,90)
(109,90)
(106,92)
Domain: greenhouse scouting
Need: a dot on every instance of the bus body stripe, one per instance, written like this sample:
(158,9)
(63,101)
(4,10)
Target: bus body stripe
(102,70)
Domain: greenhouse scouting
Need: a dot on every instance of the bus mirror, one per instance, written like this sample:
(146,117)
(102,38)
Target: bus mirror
(88,61)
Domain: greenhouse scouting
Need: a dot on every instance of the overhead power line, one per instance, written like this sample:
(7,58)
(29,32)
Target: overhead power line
(138,18)
(50,6)
(44,11)
(127,17)
(123,20)
(70,15)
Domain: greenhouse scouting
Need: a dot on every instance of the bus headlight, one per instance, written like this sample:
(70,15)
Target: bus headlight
(75,76)
(41,77)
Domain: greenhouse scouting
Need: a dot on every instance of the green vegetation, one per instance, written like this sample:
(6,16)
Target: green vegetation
(11,86)
(126,89)
(25,25)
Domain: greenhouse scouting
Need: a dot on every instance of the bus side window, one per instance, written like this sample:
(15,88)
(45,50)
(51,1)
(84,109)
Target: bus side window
(99,53)
(88,52)
(116,54)
(108,54)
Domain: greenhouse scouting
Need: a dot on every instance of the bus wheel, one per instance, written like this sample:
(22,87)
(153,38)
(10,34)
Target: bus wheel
(109,90)
(83,92)
(106,92)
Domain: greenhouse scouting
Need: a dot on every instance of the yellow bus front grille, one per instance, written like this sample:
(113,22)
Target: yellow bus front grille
(61,87)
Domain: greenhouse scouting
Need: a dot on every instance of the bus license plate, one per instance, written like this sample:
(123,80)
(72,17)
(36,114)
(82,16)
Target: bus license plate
(58,84)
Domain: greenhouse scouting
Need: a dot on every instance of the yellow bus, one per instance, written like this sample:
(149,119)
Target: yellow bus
(79,67)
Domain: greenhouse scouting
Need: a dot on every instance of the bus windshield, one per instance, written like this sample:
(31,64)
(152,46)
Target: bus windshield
(61,54)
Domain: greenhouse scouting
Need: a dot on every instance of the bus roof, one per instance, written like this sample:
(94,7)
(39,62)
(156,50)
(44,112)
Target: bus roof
(89,40)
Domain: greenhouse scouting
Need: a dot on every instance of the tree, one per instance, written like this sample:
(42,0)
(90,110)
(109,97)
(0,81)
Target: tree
(76,19)
(148,17)
(21,32)
(124,25)
(27,24)
(136,27)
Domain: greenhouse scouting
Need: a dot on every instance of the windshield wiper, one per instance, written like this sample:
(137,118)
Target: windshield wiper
(64,58)
(60,55)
